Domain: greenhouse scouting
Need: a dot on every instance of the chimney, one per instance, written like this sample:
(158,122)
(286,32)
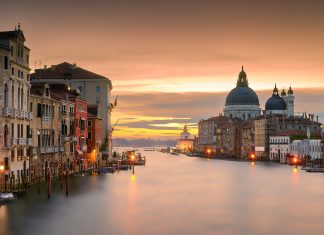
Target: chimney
(45,66)
(316,118)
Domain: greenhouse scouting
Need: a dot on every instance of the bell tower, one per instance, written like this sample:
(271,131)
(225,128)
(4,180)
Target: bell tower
(290,102)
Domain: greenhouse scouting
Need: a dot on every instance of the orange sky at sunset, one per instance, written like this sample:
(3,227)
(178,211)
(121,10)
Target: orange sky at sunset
(173,62)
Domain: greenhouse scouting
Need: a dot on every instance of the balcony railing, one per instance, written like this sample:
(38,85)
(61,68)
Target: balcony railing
(16,113)
(29,141)
(49,149)
(46,119)
(7,111)
(13,141)
(22,141)
(70,138)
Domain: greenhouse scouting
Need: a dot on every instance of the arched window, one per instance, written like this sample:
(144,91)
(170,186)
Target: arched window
(6,136)
(6,96)
(13,96)
(22,99)
(243,116)
(18,97)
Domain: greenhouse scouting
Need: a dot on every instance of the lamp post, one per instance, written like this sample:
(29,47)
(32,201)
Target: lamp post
(252,156)
(295,160)
(208,152)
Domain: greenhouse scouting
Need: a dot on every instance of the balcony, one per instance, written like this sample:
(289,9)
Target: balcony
(21,141)
(21,114)
(13,141)
(7,112)
(16,113)
(70,138)
(46,119)
(51,149)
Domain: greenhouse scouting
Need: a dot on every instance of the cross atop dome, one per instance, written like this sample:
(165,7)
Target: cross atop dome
(275,90)
(242,79)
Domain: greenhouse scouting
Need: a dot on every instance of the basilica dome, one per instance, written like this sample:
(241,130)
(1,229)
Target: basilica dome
(242,94)
(242,102)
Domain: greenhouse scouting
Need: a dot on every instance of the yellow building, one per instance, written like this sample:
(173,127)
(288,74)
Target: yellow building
(185,143)
(14,106)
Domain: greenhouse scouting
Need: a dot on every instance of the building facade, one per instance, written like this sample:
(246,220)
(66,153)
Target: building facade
(94,134)
(94,88)
(312,148)
(279,148)
(14,105)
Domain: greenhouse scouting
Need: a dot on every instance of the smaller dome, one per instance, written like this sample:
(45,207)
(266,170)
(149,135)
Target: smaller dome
(283,93)
(275,102)
(290,91)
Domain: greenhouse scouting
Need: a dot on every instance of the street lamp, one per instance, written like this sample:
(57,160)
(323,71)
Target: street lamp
(295,160)
(208,152)
(252,157)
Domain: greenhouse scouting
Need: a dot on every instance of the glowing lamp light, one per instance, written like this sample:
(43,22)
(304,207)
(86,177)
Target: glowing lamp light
(133,157)
(295,160)
(2,167)
(208,151)
(253,156)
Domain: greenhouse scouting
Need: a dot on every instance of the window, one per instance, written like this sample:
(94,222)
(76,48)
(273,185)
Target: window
(71,110)
(71,147)
(98,89)
(80,88)
(89,123)
(89,135)
(39,110)
(11,50)
(6,62)
(63,109)
(12,71)
(82,124)
(97,100)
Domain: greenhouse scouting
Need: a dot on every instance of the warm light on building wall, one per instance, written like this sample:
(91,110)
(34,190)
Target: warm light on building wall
(2,167)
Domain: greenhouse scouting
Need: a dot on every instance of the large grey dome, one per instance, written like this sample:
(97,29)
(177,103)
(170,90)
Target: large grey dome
(242,96)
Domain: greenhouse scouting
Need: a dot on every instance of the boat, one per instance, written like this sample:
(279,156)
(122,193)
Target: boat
(5,197)
(314,170)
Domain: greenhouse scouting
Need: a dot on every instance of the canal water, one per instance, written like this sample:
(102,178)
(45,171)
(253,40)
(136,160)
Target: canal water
(176,195)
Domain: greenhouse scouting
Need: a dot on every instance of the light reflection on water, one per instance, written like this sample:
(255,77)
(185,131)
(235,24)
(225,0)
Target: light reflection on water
(175,195)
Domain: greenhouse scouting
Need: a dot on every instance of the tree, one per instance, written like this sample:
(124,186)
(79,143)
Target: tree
(104,146)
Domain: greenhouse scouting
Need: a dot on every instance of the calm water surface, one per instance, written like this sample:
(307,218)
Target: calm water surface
(177,195)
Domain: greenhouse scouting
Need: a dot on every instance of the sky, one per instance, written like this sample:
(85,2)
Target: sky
(173,61)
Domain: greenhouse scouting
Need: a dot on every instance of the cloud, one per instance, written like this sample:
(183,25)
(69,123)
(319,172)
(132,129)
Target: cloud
(155,112)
